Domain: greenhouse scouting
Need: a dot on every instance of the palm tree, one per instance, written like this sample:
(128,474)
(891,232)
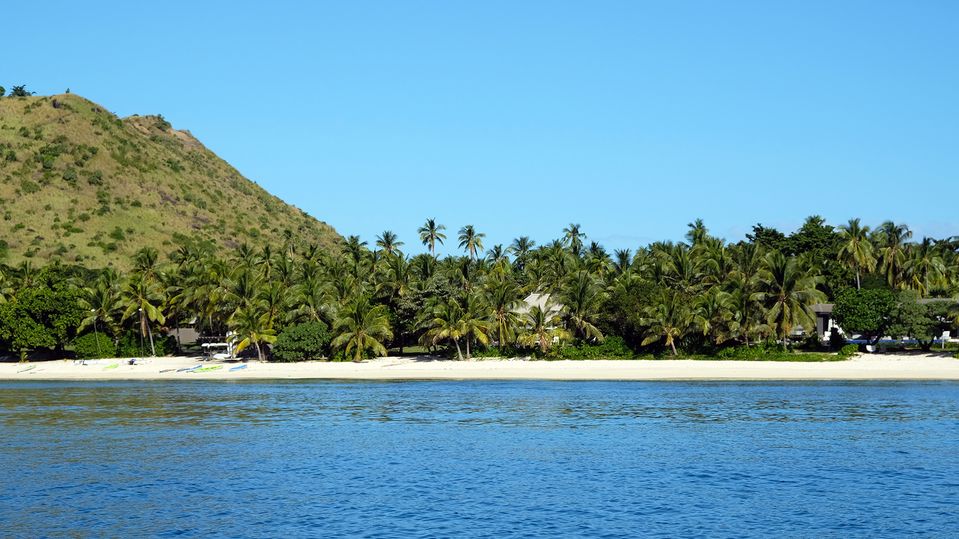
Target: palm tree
(788,294)
(142,297)
(667,319)
(502,295)
(446,324)
(697,232)
(857,252)
(471,240)
(715,314)
(102,302)
(431,233)
(924,268)
(573,238)
(362,326)
(253,327)
(582,299)
(543,327)
(891,240)
(388,242)
(744,283)
(622,261)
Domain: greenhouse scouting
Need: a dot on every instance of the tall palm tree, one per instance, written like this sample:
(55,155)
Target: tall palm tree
(388,242)
(362,326)
(788,293)
(744,283)
(143,298)
(582,298)
(471,240)
(697,232)
(543,327)
(503,296)
(857,252)
(622,261)
(667,319)
(476,324)
(102,304)
(715,315)
(431,233)
(252,325)
(573,238)
(891,240)
(924,267)
(446,324)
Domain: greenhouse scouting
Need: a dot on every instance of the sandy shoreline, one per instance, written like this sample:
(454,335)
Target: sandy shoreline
(878,367)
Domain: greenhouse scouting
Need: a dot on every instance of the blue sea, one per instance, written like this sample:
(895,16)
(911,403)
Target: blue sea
(478,459)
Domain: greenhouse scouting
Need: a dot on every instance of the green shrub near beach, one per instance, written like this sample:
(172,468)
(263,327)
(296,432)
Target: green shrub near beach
(94,346)
(310,340)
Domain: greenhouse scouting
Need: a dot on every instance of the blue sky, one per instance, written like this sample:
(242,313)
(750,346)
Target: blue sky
(631,118)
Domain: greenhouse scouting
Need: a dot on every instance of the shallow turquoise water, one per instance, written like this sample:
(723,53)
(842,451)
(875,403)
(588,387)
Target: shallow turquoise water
(490,459)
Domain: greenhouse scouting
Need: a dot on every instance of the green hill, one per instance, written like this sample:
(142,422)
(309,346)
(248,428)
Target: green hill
(80,185)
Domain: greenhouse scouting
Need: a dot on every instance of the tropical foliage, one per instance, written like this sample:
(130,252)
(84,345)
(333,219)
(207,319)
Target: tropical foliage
(565,298)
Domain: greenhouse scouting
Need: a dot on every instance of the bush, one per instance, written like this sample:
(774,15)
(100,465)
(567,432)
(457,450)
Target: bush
(129,345)
(310,340)
(93,346)
(613,347)
(848,350)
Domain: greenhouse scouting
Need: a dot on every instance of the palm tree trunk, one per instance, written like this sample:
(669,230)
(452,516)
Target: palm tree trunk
(468,348)
(858,287)
(459,353)
(672,344)
(153,352)
(259,352)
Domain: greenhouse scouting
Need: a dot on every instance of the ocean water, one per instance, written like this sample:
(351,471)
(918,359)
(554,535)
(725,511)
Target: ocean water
(479,459)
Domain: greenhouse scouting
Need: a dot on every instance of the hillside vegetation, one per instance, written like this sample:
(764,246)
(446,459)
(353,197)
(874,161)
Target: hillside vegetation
(80,185)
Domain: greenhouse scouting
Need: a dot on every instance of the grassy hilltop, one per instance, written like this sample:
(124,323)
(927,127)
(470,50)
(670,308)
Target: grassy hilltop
(80,185)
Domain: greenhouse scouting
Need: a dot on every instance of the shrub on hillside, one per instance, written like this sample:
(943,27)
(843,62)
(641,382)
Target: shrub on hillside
(310,340)
(93,346)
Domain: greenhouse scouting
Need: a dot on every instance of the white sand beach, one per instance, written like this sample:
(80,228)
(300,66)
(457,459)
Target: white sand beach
(863,367)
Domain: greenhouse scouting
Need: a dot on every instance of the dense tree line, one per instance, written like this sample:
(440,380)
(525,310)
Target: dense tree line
(696,296)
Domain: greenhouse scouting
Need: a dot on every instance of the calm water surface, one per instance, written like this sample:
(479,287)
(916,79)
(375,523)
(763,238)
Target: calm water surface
(493,459)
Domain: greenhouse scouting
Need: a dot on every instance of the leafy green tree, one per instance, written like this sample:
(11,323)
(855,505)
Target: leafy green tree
(3,91)
(362,327)
(869,313)
(309,340)
(923,321)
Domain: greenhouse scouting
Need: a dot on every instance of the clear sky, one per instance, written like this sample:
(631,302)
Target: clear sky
(631,118)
